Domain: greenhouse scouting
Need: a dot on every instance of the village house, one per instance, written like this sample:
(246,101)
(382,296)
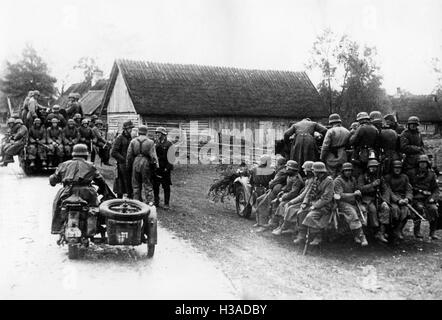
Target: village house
(210,99)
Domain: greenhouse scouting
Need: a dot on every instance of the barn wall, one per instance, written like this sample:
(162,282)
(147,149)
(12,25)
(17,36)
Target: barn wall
(115,122)
(120,100)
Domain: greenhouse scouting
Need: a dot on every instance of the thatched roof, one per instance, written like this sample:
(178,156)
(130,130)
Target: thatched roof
(91,101)
(423,106)
(192,90)
(82,88)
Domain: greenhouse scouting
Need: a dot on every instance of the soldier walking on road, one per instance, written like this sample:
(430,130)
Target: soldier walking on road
(122,184)
(142,161)
(162,176)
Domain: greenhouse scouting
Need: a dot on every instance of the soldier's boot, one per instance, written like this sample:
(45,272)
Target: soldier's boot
(417,229)
(380,234)
(317,240)
(398,230)
(279,229)
(301,236)
(32,164)
(361,236)
(43,163)
(433,230)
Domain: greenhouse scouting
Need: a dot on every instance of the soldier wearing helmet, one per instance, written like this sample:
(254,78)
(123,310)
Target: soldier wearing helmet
(17,141)
(56,114)
(425,195)
(141,160)
(6,141)
(122,184)
(318,213)
(71,136)
(86,134)
(163,148)
(373,187)
(388,148)
(77,176)
(304,146)
(294,210)
(25,107)
(36,143)
(78,119)
(33,108)
(391,122)
(411,144)
(336,139)
(100,145)
(347,195)
(363,142)
(74,106)
(294,185)
(54,140)
(399,194)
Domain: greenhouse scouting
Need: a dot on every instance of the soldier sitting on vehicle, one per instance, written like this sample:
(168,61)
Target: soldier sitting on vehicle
(7,138)
(399,195)
(86,134)
(425,196)
(36,143)
(412,144)
(54,140)
(318,214)
(16,143)
(346,194)
(77,176)
(71,137)
(56,114)
(78,120)
(372,187)
(295,206)
(73,106)
(100,143)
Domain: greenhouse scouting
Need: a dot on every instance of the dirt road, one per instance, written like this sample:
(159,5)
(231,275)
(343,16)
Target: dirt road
(33,266)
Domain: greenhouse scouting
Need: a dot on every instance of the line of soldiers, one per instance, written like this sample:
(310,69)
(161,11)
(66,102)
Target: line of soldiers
(142,165)
(374,177)
(48,135)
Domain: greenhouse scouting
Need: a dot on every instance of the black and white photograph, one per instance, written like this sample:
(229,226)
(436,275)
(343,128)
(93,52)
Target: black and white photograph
(220,150)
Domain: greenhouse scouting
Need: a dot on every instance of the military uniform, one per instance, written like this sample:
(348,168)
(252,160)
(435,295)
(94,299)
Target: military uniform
(36,142)
(412,145)
(18,139)
(388,144)
(86,135)
(163,174)
(141,160)
(72,108)
(101,144)
(54,140)
(122,184)
(345,188)
(71,137)
(56,115)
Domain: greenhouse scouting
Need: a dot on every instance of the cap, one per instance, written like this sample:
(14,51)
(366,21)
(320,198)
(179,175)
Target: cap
(128,125)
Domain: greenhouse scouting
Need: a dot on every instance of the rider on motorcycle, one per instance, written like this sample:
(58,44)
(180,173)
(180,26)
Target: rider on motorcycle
(77,176)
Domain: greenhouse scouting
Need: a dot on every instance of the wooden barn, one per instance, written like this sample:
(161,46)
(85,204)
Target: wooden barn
(210,99)
(427,107)
(91,101)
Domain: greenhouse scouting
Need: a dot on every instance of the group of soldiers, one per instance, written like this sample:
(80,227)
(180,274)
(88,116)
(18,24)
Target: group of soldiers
(375,176)
(49,134)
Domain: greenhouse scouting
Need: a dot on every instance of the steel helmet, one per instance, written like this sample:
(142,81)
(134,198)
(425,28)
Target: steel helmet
(77,116)
(56,108)
(71,95)
(20,121)
(372,163)
(334,118)
(424,158)
(77,95)
(36,92)
(319,166)
(347,166)
(375,117)
(37,120)
(264,159)
(55,120)
(98,122)
(308,165)
(79,150)
(84,121)
(71,121)
(354,125)
(397,164)
(362,116)
(10,120)
(161,130)
(413,119)
(142,129)
(292,164)
(281,160)
(390,117)
(94,117)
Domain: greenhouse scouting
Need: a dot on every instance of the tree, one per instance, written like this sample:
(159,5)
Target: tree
(29,73)
(89,67)
(351,80)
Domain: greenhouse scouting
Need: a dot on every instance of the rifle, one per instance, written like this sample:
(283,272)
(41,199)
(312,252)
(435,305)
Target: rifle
(307,236)
(361,213)
(41,144)
(415,212)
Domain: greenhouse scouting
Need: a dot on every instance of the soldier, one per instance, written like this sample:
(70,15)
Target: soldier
(163,174)
(376,119)
(346,194)
(17,141)
(304,146)
(293,207)
(33,107)
(372,186)
(77,118)
(43,115)
(399,194)
(73,106)
(76,175)
(388,144)
(25,107)
(411,144)
(318,214)
(425,195)
(71,136)
(93,121)
(291,190)
(54,140)
(333,152)
(98,142)
(86,134)
(122,184)
(36,143)
(141,160)
(56,114)
(364,143)
(391,122)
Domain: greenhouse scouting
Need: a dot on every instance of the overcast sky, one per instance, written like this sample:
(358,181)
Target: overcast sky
(261,34)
